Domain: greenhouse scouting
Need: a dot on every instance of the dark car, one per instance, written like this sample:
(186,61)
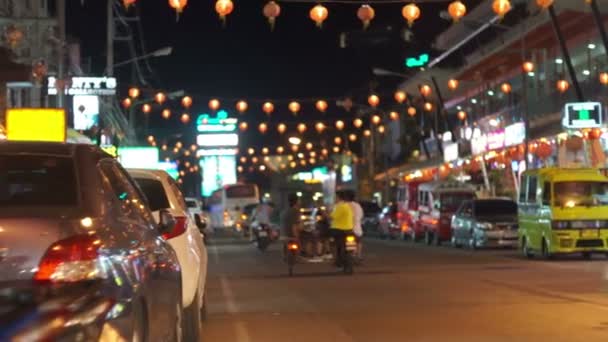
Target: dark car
(370,215)
(69,215)
(485,223)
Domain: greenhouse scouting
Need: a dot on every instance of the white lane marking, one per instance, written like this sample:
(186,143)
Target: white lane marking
(241,332)
(215,254)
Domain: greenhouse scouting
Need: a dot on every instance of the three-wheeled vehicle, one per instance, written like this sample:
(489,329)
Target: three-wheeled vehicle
(292,254)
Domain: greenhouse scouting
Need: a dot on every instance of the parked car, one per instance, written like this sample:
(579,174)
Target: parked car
(195,209)
(389,222)
(70,215)
(437,203)
(164,195)
(485,223)
(371,210)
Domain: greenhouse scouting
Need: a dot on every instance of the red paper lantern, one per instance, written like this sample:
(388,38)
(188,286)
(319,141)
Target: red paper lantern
(160,98)
(528,66)
(146,108)
(453,84)
(243,126)
(214,104)
(294,107)
(178,5)
(411,111)
(562,86)
(501,7)
(462,115)
(281,128)
(373,100)
(126,103)
(358,123)
(242,106)
(318,14)
(268,108)
(271,11)
(263,127)
(411,13)
(321,106)
(506,88)
(187,102)
(166,113)
(133,93)
(425,90)
(400,96)
(604,78)
(301,128)
(457,10)
(224,8)
(544,150)
(366,14)
(185,118)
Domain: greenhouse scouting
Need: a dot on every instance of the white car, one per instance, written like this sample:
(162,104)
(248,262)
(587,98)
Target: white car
(162,192)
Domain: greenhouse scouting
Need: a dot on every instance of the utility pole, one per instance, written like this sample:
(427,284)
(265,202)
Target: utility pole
(61,51)
(110,39)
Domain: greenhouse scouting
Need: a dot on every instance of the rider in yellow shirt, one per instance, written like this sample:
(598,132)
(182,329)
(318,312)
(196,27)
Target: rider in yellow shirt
(342,222)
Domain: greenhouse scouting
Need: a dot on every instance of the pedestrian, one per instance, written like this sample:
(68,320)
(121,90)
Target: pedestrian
(341,224)
(357,219)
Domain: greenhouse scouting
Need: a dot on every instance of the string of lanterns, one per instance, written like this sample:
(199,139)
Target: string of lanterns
(319,13)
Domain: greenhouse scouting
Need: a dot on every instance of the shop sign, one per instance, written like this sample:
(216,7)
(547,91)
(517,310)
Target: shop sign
(495,140)
(582,115)
(515,134)
(217,152)
(450,151)
(221,123)
(214,140)
(478,144)
(36,124)
(85,86)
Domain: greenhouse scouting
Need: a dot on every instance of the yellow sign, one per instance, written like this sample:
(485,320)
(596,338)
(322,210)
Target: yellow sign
(110,149)
(36,124)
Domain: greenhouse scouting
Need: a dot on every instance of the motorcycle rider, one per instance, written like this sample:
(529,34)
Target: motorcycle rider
(357,218)
(260,217)
(341,224)
(290,218)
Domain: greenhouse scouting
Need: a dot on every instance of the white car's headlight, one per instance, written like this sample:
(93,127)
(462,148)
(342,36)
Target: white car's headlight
(484,226)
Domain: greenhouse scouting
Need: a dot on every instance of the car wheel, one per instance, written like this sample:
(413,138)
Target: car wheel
(413,235)
(192,320)
(204,308)
(178,333)
(587,255)
(545,250)
(454,241)
(525,249)
(140,324)
(436,240)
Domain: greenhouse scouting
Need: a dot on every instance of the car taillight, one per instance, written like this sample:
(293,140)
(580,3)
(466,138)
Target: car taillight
(70,260)
(181,223)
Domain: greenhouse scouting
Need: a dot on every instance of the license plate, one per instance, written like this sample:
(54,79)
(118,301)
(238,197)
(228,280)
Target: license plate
(262,233)
(590,233)
(351,247)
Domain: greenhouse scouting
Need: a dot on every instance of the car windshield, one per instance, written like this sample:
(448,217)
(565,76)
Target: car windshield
(495,209)
(155,193)
(450,202)
(580,193)
(28,181)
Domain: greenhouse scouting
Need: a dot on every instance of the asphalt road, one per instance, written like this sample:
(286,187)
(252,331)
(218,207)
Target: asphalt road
(404,292)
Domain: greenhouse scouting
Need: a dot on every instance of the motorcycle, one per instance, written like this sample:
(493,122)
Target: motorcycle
(263,234)
(346,261)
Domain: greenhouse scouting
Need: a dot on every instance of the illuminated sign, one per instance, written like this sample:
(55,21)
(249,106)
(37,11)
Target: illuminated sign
(515,134)
(85,86)
(138,157)
(450,151)
(217,152)
(36,124)
(217,172)
(582,115)
(478,144)
(495,140)
(417,62)
(214,140)
(221,123)
(86,111)
(346,171)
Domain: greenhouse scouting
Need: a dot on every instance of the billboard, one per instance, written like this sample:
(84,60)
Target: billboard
(138,157)
(86,111)
(36,124)
(582,115)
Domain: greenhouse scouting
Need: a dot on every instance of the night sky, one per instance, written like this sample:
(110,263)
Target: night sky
(245,59)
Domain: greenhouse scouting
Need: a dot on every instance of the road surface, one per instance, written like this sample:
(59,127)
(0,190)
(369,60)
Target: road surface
(404,292)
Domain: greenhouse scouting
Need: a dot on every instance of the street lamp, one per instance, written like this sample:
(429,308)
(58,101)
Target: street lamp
(166,51)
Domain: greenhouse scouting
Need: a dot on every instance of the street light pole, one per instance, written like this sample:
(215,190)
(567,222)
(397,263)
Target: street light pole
(61,50)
